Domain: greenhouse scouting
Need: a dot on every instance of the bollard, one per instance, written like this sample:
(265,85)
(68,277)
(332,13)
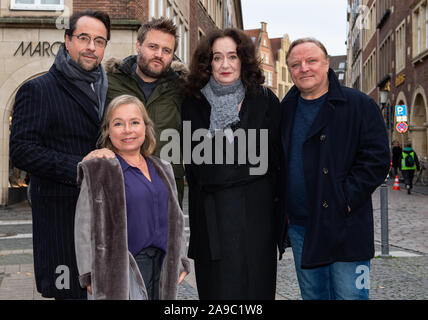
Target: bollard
(384,220)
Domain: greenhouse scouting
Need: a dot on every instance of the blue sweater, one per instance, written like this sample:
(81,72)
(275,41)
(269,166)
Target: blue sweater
(306,112)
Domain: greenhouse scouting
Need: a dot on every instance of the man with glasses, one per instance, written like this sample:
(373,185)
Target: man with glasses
(55,123)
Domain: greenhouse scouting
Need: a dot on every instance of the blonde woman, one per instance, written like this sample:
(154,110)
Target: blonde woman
(129,230)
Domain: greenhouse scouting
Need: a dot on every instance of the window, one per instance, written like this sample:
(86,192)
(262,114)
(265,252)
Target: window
(183,41)
(168,9)
(400,47)
(270,78)
(384,5)
(152,8)
(418,26)
(341,76)
(342,65)
(369,21)
(426,27)
(160,8)
(420,29)
(284,74)
(385,58)
(369,73)
(48,5)
(267,58)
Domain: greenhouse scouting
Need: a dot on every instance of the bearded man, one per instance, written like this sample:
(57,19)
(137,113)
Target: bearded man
(149,76)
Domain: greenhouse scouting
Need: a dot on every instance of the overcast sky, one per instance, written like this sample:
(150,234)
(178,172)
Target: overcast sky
(322,19)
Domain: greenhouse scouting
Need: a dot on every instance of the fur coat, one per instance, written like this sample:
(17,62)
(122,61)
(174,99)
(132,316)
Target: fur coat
(103,259)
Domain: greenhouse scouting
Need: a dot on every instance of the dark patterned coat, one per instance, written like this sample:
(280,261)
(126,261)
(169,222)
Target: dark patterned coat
(54,125)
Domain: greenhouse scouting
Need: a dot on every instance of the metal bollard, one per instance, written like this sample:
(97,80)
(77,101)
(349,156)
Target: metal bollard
(384,220)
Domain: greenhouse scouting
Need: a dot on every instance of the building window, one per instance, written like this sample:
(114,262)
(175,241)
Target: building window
(400,47)
(284,74)
(384,5)
(420,29)
(419,35)
(48,5)
(385,58)
(270,79)
(426,27)
(342,66)
(369,24)
(168,9)
(160,8)
(267,58)
(369,73)
(152,9)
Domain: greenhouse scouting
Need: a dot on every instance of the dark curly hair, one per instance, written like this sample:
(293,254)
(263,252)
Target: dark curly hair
(200,67)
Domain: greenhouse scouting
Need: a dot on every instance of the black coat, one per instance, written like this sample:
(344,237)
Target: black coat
(232,213)
(54,126)
(345,158)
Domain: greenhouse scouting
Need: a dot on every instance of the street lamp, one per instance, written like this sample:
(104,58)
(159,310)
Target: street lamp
(383,188)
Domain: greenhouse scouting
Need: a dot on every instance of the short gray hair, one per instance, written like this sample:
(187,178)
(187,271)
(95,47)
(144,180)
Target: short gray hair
(305,40)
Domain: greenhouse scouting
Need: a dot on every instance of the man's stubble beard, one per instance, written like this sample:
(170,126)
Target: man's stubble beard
(143,66)
(85,67)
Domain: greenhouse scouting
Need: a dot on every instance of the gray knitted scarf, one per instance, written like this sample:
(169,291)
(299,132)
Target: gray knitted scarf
(93,83)
(224,101)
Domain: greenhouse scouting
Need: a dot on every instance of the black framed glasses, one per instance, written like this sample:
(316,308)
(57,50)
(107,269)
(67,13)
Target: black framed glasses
(84,38)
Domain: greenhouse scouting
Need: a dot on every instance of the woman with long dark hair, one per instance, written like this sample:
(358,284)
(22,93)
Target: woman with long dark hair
(232,181)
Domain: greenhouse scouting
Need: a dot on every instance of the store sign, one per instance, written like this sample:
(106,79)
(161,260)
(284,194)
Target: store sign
(40,49)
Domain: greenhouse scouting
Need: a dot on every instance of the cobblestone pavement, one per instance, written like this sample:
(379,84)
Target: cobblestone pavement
(398,277)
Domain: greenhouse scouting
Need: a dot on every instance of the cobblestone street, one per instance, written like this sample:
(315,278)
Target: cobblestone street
(404,276)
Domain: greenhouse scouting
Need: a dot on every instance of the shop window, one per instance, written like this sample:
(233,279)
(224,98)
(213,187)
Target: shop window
(47,5)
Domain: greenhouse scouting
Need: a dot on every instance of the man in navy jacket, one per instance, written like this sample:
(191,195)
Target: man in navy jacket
(335,154)
(55,123)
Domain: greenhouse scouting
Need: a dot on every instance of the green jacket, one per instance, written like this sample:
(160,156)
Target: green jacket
(163,106)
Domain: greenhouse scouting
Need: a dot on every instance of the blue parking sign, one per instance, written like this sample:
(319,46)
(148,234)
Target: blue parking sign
(400,110)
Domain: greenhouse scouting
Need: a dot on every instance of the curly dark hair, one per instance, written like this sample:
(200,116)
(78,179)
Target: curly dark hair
(200,67)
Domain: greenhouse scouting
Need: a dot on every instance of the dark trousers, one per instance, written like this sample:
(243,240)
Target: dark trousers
(149,262)
(408,177)
(395,170)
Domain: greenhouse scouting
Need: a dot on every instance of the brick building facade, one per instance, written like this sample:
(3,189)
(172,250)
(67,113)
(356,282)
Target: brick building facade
(264,51)
(394,52)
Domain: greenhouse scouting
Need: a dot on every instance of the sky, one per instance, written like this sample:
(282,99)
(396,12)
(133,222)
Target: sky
(322,19)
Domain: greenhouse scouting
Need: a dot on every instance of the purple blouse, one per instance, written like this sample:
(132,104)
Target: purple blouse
(146,208)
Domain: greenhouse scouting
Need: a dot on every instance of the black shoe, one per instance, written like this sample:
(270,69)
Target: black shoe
(409,191)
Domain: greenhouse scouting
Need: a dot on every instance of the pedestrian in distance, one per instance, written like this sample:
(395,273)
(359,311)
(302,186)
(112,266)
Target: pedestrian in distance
(231,209)
(148,75)
(136,248)
(409,163)
(396,157)
(55,123)
(335,154)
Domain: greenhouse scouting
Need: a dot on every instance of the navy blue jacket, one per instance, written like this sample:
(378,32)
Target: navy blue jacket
(345,158)
(54,125)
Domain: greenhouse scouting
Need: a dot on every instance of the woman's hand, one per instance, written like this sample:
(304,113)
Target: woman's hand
(182,276)
(99,153)
(89,288)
